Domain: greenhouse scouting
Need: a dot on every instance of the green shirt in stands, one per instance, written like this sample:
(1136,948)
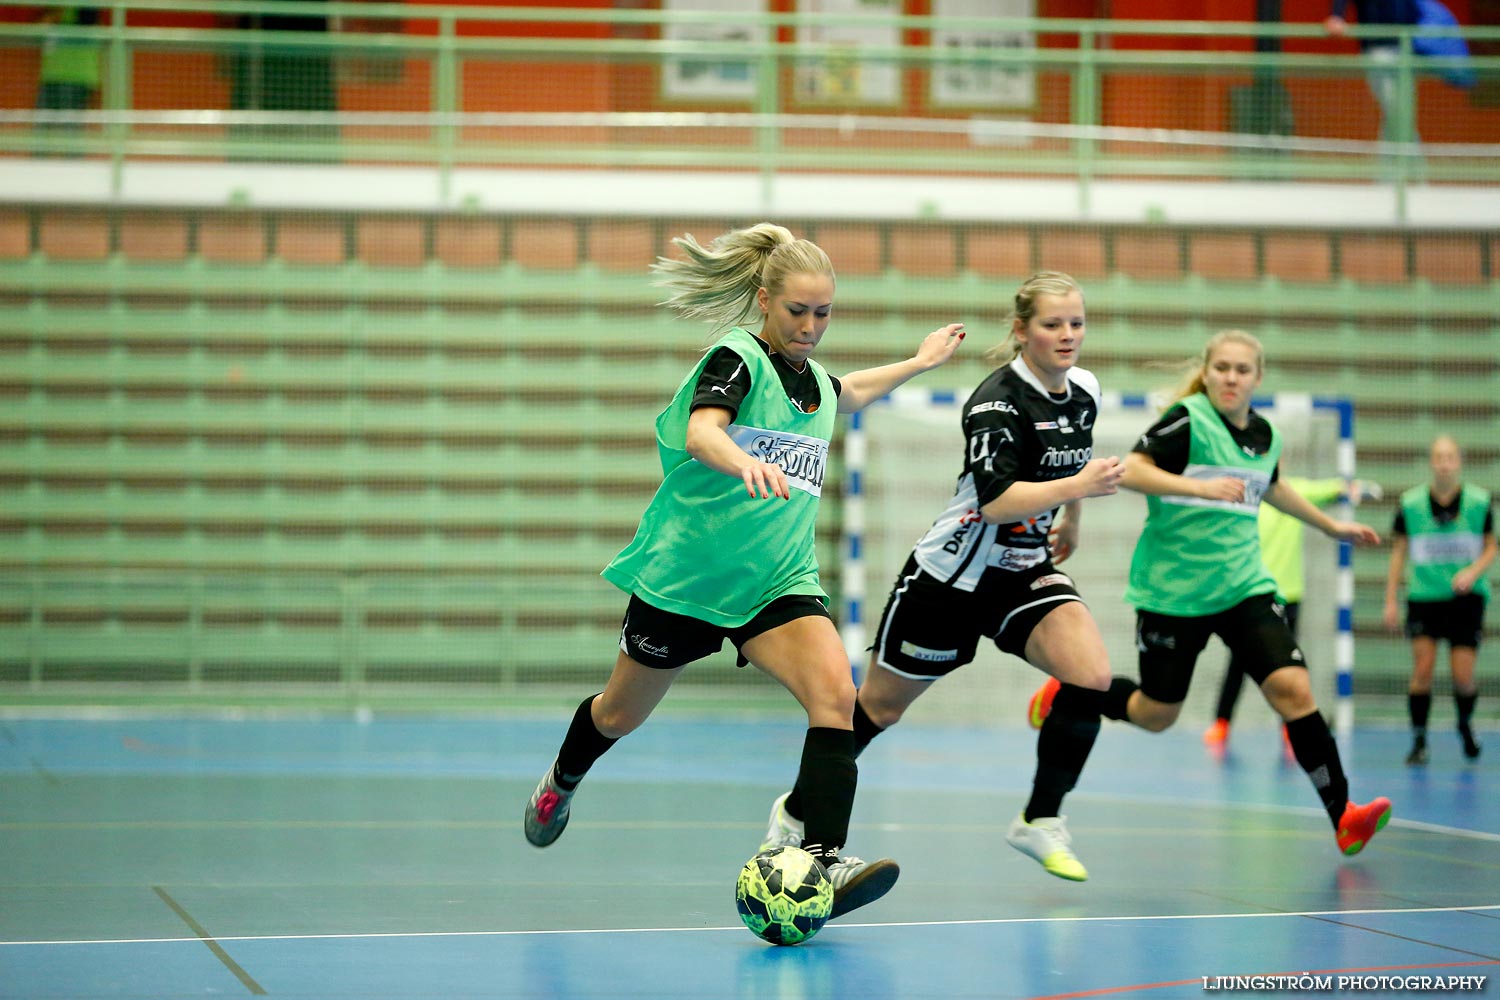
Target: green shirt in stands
(707,549)
(71,60)
(1198,557)
(1436,550)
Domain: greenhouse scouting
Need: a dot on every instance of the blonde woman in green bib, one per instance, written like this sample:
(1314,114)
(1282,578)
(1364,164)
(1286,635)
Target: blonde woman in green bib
(1443,544)
(726,549)
(1205,467)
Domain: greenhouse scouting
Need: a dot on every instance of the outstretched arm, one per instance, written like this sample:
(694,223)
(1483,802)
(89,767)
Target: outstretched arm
(862,388)
(1289,501)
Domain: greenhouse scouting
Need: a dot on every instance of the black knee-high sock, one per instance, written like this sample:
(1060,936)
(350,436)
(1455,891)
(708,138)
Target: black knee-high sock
(583,745)
(1115,703)
(1062,748)
(865,730)
(1234,679)
(1318,755)
(825,786)
(1464,703)
(1418,706)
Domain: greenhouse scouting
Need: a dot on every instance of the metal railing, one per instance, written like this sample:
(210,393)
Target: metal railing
(798,98)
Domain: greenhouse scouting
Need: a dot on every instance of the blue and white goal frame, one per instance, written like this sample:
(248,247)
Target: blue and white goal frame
(854,571)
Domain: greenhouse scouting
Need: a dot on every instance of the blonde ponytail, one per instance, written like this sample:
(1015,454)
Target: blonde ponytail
(718,283)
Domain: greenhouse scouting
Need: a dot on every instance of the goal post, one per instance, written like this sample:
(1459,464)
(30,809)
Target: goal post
(902,456)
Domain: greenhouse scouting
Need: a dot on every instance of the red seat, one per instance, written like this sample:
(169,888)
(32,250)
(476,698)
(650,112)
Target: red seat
(68,234)
(1079,252)
(1373,258)
(1223,256)
(467,242)
(925,251)
(154,236)
(310,239)
(1148,254)
(15,234)
(1297,256)
(545,244)
(1003,252)
(232,237)
(1450,259)
(391,241)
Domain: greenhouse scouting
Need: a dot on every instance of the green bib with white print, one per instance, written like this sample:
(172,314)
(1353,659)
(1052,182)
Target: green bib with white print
(1198,557)
(707,549)
(1436,551)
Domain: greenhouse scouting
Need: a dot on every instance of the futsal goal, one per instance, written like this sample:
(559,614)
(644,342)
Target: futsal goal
(902,459)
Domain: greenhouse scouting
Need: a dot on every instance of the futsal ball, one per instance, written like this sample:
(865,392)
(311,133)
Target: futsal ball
(783,895)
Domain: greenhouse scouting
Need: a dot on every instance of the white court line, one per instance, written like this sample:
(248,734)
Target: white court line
(1455,831)
(499,824)
(738,929)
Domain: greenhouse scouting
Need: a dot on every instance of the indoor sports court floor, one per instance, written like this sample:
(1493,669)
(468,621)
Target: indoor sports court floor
(329,857)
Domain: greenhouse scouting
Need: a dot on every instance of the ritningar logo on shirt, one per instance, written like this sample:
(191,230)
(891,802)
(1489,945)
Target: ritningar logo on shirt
(804,459)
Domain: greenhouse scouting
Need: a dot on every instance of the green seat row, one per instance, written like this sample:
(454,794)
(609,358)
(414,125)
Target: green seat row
(260,549)
(424,367)
(356,461)
(550,327)
(510,284)
(641,335)
(615,423)
(133,594)
(350,629)
(560,511)
(370,374)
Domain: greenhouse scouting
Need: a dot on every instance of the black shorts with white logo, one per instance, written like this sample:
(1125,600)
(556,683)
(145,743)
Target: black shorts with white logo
(1460,620)
(929,629)
(667,640)
(1255,631)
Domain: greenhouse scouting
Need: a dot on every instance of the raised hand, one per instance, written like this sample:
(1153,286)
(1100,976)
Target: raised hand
(938,346)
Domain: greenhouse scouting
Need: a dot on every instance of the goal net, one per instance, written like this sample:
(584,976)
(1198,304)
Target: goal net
(903,457)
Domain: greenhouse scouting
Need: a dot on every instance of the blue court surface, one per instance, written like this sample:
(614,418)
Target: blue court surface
(161,858)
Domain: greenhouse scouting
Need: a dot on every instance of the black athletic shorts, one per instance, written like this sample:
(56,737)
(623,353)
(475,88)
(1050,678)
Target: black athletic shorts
(1257,635)
(1459,619)
(666,640)
(929,629)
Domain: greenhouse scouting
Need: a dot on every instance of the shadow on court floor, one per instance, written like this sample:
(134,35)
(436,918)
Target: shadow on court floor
(326,858)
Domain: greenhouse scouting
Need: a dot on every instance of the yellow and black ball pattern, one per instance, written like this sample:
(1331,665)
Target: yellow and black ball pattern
(783,895)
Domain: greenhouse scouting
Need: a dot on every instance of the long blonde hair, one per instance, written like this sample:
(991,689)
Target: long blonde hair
(1192,381)
(718,283)
(1024,308)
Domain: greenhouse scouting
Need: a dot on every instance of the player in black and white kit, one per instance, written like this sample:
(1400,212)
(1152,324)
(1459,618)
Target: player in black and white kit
(987,566)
